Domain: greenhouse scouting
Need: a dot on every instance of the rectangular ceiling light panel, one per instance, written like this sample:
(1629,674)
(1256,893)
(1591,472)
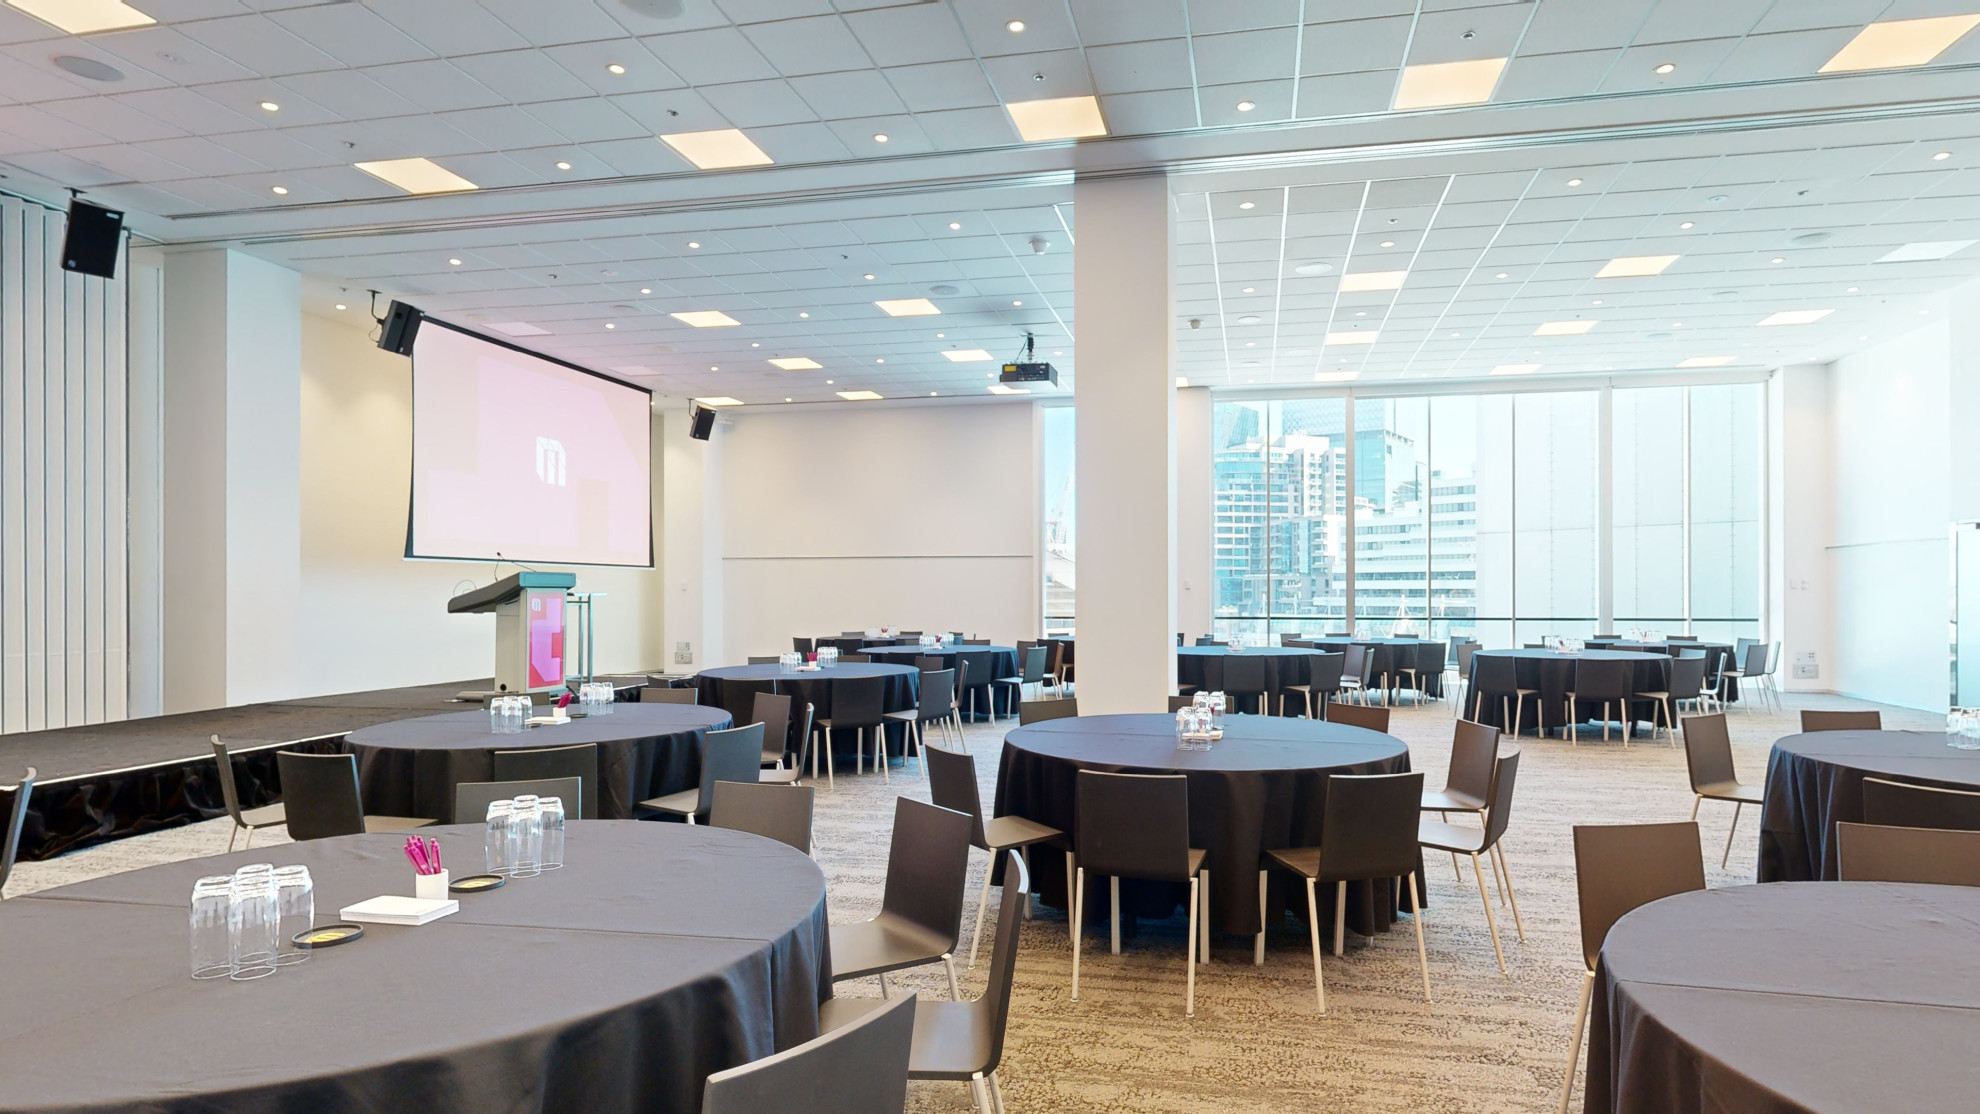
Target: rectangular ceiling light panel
(1930,249)
(1796,317)
(720,400)
(908,307)
(1440,84)
(966,355)
(797,363)
(1900,42)
(1636,266)
(858,396)
(1373,280)
(1057,118)
(705,319)
(417,175)
(1007,389)
(722,149)
(1563,328)
(83,17)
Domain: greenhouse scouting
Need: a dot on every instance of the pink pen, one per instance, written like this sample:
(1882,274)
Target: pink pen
(437,867)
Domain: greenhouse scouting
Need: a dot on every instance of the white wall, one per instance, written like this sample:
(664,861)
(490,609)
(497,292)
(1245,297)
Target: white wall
(370,618)
(924,517)
(1801,497)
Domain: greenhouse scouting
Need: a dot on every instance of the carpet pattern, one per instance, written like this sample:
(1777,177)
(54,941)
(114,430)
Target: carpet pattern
(1486,1043)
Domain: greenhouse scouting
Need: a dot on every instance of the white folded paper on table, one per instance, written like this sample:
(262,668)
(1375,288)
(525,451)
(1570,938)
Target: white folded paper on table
(392,909)
(553,720)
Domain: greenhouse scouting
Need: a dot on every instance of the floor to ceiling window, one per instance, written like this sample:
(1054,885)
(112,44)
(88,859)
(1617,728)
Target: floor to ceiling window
(1481,514)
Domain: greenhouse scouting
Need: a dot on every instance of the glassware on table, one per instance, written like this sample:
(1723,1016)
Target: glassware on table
(495,840)
(295,912)
(212,948)
(552,811)
(525,837)
(253,920)
(828,656)
(1963,729)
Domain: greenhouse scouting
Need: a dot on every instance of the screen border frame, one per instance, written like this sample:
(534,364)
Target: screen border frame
(412,405)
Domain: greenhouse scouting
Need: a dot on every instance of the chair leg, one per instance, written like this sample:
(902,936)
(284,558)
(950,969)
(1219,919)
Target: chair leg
(1734,827)
(1574,1046)
(1574,729)
(1189,999)
(955,988)
(1313,929)
(1024,855)
(885,990)
(1491,922)
(1258,942)
(1078,877)
(1071,899)
(979,1095)
(1340,918)
(1416,918)
(1114,919)
(982,903)
(1498,883)
(880,754)
(996,1095)
(1505,867)
(1203,922)
(1696,800)
(236,834)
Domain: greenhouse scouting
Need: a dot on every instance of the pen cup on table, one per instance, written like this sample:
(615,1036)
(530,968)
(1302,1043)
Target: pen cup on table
(429,873)
(430,887)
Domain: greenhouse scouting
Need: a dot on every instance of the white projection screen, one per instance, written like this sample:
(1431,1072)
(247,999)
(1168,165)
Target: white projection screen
(522,458)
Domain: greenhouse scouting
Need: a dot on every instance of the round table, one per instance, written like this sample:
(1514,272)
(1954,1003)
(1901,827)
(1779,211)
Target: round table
(1203,667)
(1717,655)
(1816,779)
(1003,663)
(1391,655)
(409,767)
(658,954)
(1552,674)
(1800,998)
(900,690)
(1263,786)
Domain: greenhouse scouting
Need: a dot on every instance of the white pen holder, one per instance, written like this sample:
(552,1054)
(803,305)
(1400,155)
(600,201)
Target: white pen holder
(430,887)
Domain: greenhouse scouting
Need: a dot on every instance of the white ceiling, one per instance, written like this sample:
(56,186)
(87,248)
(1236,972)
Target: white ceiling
(501,90)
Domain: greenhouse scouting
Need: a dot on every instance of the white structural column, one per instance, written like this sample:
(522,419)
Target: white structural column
(691,544)
(232,554)
(1801,526)
(1125,452)
(1195,512)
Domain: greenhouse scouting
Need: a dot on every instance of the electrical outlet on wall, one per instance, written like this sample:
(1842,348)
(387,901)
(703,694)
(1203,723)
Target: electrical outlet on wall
(683,657)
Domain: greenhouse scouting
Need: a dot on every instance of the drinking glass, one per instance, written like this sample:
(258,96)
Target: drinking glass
(552,810)
(295,911)
(607,696)
(525,837)
(495,839)
(1969,730)
(253,920)
(212,954)
(496,711)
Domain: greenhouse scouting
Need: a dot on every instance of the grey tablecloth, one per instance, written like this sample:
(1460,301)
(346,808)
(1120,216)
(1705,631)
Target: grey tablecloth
(1803,998)
(1203,667)
(1003,663)
(900,689)
(1262,787)
(1816,779)
(659,954)
(1553,675)
(1392,655)
(410,767)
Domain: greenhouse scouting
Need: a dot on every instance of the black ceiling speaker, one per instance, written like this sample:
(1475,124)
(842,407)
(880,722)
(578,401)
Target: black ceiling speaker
(401,326)
(94,235)
(701,421)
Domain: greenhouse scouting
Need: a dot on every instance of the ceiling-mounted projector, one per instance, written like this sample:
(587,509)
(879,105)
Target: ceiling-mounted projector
(1024,370)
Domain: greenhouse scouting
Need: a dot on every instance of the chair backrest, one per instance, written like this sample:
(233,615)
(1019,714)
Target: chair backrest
(1739,648)
(763,659)
(1841,721)
(1708,751)
(928,868)
(472,798)
(1499,812)
(1680,638)
(1032,711)
(1370,821)
(1596,679)
(1753,660)
(1032,668)
(938,692)
(1926,856)
(737,695)
(1773,657)
(1244,673)
(1494,674)
(804,740)
(229,791)
(859,701)
(10,839)
(579,760)
(320,794)
(1290,639)
(653,695)
(1465,650)
(855,659)
(779,812)
(1474,755)
(973,669)
(1618,867)
(995,1004)
(1132,825)
(929,664)
(972,642)
(773,711)
(858,1068)
(801,645)
(1373,717)
(1900,804)
(1687,675)
(1178,703)
(732,755)
(1323,672)
(1431,657)
(1207,640)
(952,785)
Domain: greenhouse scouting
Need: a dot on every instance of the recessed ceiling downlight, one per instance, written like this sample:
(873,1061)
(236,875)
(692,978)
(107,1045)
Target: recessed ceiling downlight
(1315,268)
(88,68)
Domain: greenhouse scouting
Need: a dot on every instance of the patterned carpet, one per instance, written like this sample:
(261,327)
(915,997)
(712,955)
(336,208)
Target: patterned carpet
(1485,1043)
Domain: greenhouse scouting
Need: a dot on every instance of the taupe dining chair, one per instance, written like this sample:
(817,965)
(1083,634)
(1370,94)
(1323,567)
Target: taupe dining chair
(794,773)
(859,704)
(1468,786)
(861,1067)
(10,839)
(1605,683)
(764,659)
(1497,678)
(1439,836)
(935,701)
(652,695)
(961,1041)
(472,798)
(973,677)
(1059,707)
(1926,856)
(1370,832)
(1709,758)
(1178,703)
(1618,867)
(1373,717)
(1686,684)
(580,760)
(320,798)
(1323,680)
(732,755)
(920,919)
(778,812)
(1244,677)
(245,819)
(952,785)
(1357,671)
(773,711)
(1458,674)
(1812,720)
(1135,826)
(1752,659)
(1032,671)
(1900,804)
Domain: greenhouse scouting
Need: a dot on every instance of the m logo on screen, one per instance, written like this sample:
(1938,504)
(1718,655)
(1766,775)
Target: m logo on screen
(550,461)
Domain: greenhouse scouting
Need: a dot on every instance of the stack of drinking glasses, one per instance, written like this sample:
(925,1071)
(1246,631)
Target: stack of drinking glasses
(507,715)
(929,640)
(595,698)
(828,656)
(790,663)
(245,924)
(1963,728)
(525,836)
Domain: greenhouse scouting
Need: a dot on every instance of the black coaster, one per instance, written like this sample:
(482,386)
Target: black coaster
(476,883)
(328,936)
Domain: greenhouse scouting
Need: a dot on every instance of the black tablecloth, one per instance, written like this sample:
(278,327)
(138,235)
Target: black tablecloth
(1203,667)
(1004,664)
(1812,998)
(900,684)
(1816,779)
(1391,655)
(1263,786)
(1717,658)
(658,954)
(1553,674)
(410,767)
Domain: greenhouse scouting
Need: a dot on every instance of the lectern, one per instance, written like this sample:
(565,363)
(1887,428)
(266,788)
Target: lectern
(529,627)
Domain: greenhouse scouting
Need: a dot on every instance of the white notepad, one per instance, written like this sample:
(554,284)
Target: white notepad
(399,910)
